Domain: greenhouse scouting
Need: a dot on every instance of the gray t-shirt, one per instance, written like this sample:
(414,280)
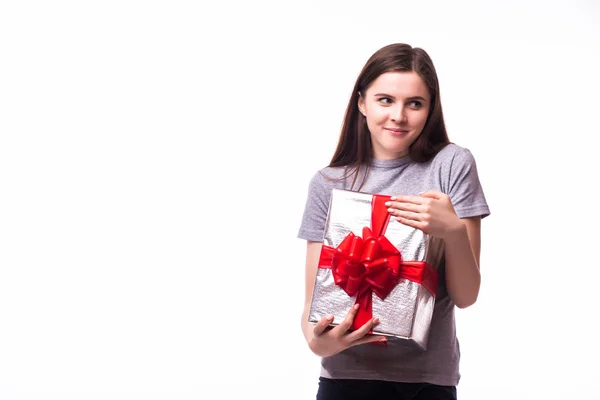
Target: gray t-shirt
(452,171)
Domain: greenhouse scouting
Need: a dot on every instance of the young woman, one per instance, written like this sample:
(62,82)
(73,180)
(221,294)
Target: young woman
(394,142)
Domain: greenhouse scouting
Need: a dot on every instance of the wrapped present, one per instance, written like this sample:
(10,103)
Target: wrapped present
(374,260)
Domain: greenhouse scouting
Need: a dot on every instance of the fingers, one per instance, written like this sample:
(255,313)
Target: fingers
(363,330)
(398,205)
(408,215)
(422,198)
(340,334)
(407,199)
(347,322)
(322,325)
(423,226)
(432,194)
(369,339)
(419,205)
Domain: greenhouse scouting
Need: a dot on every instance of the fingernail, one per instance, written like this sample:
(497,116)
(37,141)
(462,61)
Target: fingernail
(390,210)
(330,318)
(376,320)
(356,306)
(393,198)
(388,203)
(384,340)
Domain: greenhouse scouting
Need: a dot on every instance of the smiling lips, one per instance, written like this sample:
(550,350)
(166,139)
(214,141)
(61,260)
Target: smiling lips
(396,131)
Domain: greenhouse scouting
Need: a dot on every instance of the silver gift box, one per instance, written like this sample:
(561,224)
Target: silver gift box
(407,310)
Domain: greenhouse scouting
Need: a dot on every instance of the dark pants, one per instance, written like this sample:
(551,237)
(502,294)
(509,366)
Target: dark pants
(355,389)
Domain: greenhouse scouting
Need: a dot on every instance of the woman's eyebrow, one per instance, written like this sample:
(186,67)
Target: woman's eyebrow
(392,97)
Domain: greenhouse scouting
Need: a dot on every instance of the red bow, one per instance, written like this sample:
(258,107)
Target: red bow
(359,264)
(362,266)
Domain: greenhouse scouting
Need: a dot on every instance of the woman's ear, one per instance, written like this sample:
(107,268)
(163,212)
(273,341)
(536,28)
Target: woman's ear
(361,104)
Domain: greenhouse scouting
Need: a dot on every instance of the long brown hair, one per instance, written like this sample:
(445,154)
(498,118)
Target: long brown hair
(354,147)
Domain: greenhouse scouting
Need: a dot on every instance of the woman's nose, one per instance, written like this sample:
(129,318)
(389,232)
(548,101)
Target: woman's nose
(398,115)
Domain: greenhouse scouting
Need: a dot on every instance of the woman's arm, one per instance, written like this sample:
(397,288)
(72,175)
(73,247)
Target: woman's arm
(313,250)
(462,248)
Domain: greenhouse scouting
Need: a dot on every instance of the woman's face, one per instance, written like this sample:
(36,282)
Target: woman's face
(396,106)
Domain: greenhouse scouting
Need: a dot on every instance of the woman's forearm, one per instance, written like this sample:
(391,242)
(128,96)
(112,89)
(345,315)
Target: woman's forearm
(463,278)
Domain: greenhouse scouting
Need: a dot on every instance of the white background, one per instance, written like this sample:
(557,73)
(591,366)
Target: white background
(154,162)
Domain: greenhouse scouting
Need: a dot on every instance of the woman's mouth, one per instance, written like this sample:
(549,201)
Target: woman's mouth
(397,131)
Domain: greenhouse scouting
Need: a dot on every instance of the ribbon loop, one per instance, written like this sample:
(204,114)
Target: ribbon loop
(372,267)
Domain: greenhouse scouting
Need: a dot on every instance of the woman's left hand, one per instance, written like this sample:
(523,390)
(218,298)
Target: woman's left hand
(431,211)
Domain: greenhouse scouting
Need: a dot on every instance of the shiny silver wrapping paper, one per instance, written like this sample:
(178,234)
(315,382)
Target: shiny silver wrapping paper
(406,312)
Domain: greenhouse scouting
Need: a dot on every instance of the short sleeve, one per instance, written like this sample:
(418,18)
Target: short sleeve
(315,211)
(465,189)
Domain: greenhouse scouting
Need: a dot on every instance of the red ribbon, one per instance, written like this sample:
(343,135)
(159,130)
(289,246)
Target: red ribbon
(371,264)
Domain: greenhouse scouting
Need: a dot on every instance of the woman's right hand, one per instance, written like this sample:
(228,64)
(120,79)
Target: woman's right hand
(327,342)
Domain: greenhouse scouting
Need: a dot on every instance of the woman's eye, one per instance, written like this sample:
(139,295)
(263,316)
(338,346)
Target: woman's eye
(415,104)
(385,100)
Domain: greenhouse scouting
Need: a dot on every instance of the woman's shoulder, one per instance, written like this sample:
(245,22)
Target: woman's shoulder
(329,177)
(453,154)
